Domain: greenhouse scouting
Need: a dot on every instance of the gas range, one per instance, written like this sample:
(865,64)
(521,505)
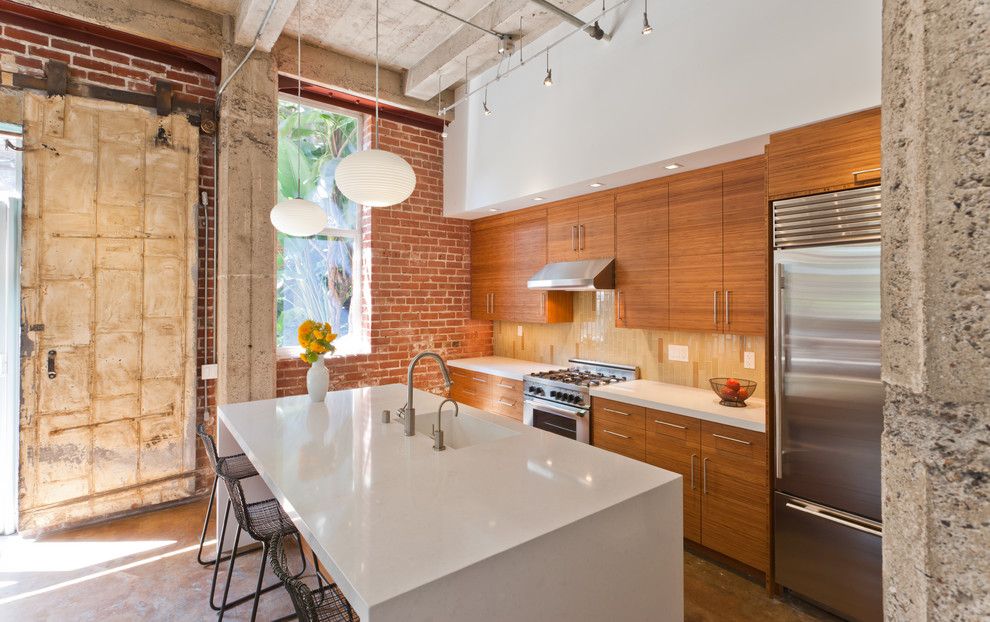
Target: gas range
(572,386)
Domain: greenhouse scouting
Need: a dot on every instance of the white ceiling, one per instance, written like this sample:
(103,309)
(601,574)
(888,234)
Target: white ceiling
(413,38)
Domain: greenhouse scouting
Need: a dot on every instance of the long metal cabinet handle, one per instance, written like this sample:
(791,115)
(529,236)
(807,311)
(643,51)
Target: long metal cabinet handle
(870,529)
(715,307)
(618,306)
(543,304)
(672,425)
(704,476)
(693,456)
(493,302)
(615,434)
(856,174)
(734,440)
(778,349)
(726,307)
(581,237)
(574,237)
(618,412)
(476,379)
(504,403)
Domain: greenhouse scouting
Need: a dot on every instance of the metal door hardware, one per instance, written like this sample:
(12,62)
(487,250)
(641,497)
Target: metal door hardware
(51,365)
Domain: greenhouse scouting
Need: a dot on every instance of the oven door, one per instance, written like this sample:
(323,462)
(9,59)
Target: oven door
(563,420)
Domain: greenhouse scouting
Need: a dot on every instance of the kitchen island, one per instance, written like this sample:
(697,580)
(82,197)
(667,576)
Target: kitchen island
(509,523)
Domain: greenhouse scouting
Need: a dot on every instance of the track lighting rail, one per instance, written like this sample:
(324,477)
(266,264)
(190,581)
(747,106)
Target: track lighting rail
(493,33)
(578,29)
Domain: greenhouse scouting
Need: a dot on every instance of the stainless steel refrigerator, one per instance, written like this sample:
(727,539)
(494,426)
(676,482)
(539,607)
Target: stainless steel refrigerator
(828,400)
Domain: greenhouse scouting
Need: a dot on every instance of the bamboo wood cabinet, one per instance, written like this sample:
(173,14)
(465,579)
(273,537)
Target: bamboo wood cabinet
(502,396)
(726,487)
(581,228)
(505,252)
(691,251)
(832,155)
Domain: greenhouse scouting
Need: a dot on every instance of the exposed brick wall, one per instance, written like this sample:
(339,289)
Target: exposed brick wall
(417,270)
(96,65)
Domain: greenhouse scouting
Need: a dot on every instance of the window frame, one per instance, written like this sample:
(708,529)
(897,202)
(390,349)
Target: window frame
(355,342)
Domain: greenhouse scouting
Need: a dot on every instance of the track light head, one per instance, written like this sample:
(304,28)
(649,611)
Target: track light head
(443,133)
(486,109)
(647,29)
(595,31)
(548,81)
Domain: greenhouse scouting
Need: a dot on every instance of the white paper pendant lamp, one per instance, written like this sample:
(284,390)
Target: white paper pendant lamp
(375,178)
(298,217)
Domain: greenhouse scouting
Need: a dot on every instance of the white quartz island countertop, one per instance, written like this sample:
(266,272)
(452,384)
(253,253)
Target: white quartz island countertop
(687,401)
(524,525)
(503,366)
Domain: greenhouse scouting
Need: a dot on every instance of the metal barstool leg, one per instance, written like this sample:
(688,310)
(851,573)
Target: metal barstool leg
(206,522)
(302,555)
(220,557)
(261,578)
(230,573)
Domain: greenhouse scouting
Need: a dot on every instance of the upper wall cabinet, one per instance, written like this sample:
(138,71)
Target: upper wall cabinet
(745,244)
(832,155)
(641,292)
(505,252)
(582,228)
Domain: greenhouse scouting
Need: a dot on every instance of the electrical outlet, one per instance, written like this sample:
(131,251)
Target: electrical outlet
(749,360)
(519,330)
(209,372)
(677,353)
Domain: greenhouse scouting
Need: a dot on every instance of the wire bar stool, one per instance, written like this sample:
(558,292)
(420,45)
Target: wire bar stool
(262,520)
(326,603)
(237,466)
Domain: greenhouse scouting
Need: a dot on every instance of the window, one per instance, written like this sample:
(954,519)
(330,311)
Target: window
(318,278)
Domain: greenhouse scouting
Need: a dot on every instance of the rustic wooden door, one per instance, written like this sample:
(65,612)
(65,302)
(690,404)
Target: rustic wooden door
(108,265)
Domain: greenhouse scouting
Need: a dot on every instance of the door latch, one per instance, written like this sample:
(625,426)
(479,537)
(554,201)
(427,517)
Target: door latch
(51,365)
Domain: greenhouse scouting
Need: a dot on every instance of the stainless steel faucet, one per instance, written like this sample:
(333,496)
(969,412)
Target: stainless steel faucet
(437,430)
(408,413)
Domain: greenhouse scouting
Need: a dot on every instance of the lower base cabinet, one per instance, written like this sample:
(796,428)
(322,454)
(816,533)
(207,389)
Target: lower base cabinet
(726,487)
(502,396)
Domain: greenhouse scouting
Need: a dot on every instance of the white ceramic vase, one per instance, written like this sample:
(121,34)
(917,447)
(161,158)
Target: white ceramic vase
(318,380)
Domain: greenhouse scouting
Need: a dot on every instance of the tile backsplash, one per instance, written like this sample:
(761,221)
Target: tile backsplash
(593,335)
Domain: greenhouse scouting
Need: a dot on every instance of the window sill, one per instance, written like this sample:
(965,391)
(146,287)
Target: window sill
(345,348)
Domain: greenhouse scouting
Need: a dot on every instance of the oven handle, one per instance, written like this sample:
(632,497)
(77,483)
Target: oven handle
(563,411)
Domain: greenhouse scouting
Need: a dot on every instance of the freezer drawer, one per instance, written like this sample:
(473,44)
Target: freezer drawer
(829,557)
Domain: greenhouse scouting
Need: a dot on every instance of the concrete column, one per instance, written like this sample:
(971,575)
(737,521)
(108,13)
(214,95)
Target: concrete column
(246,286)
(936,294)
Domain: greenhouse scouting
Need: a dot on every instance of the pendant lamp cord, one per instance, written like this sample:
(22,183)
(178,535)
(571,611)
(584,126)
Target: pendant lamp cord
(377,3)
(298,97)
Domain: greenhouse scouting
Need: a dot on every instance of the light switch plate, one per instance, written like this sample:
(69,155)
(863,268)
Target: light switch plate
(677,353)
(749,360)
(209,372)
(519,330)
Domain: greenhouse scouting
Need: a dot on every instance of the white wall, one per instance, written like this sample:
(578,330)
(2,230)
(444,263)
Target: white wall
(714,73)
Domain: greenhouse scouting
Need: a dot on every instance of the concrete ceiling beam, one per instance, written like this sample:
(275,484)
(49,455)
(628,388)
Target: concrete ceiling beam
(167,21)
(345,73)
(251,15)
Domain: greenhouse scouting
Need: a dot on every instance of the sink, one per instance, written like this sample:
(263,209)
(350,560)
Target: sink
(462,431)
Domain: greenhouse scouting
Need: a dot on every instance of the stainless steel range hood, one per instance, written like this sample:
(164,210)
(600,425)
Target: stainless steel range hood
(585,275)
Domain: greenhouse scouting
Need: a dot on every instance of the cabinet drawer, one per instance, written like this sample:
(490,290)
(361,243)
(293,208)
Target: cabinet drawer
(471,380)
(471,396)
(667,427)
(506,384)
(621,439)
(747,446)
(610,411)
(507,401)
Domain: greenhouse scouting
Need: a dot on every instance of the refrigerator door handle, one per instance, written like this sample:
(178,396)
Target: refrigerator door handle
(870,528)
(778,334)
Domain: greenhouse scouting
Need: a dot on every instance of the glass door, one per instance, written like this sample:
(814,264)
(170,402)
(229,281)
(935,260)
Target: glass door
(10,369)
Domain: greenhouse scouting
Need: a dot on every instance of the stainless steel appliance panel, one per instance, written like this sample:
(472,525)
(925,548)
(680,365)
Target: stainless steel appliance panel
(829,398)
(829,557)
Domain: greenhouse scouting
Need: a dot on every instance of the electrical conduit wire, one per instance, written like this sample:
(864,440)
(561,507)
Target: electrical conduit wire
(216,202)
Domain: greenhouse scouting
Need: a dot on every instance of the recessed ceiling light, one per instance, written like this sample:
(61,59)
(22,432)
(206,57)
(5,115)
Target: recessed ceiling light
(596,184)
(537,198)
(492,209)
(672,166)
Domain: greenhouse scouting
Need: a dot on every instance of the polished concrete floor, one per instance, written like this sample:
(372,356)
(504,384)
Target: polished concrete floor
(144,568)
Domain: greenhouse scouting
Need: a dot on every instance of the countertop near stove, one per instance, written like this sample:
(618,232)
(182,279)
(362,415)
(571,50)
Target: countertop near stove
(528,526)
(687,401)
(502,366)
